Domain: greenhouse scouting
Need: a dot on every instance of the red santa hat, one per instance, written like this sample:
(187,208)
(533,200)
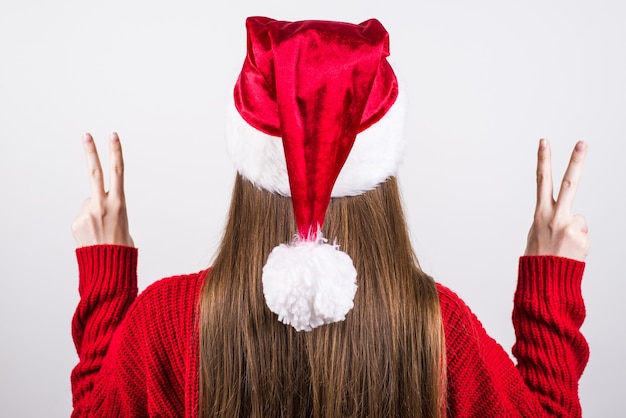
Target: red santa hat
(317,116)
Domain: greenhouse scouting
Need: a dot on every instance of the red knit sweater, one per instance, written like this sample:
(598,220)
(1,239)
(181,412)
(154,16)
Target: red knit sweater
(138,356)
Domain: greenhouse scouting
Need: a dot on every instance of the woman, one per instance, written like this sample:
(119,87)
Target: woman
(352,328)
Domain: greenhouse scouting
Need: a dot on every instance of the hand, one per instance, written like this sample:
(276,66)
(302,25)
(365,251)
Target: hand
(103,219)
(555,230)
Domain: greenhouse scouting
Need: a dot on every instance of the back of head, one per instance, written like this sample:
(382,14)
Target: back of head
(278,336)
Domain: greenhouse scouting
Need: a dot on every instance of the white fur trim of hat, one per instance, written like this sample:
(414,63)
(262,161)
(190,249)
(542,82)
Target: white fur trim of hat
(375,156)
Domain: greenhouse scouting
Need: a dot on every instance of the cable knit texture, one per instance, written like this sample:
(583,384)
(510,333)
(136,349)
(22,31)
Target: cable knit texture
(138,356)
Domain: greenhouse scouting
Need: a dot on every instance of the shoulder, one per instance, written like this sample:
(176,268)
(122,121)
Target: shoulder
(167,303)
(176,290)
(452,306)
(463,330)
(163,313)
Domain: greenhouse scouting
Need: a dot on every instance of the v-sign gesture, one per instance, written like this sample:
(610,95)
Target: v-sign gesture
(103,219)
(555,229)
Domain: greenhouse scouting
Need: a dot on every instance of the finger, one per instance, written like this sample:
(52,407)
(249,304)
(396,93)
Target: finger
(93,167)
(117,165)
(545,199)
(569,185)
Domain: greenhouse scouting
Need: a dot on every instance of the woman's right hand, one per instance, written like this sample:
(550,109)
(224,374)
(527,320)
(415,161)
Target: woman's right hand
(103,218)
(555,229)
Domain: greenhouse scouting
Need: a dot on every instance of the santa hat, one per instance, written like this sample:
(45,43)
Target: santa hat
(317,115)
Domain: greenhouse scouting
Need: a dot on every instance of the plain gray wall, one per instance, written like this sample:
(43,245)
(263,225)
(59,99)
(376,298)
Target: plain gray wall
(485,79)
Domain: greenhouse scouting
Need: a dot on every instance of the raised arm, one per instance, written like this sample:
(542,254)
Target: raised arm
(548,308)
(548,313)
(107,265)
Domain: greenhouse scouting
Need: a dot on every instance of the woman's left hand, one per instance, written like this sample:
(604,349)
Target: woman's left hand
(103,218)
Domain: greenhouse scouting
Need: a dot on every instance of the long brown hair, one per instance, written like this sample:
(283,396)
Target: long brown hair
(387,359)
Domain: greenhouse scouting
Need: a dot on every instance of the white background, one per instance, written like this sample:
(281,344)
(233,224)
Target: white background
(486,80)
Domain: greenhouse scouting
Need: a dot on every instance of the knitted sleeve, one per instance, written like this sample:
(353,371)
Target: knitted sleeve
(107,288)
(550,350)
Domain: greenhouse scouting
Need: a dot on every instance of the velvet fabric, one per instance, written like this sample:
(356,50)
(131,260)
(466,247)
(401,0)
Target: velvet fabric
(315,84)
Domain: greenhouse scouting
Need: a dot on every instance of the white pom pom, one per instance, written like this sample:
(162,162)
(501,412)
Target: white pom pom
(308,284)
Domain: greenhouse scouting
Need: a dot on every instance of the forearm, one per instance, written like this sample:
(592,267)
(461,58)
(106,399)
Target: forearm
(548,313)
(107,288)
